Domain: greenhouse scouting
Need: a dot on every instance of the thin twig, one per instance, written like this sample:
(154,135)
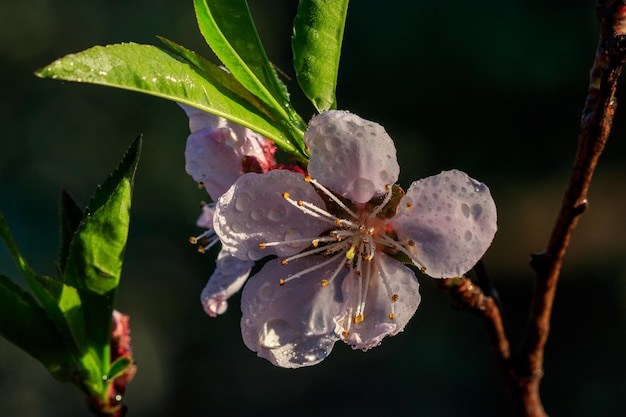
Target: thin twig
(523,372)
(595,127)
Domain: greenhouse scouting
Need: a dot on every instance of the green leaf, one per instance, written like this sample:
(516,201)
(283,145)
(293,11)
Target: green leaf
(316,43)
(118,367)
(61,302)
(229,30)
(25,324)
(94,263)
(70,216)
(210,71)
(150,70)
(97,249)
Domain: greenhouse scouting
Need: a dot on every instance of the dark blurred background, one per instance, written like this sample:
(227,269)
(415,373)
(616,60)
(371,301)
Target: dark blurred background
(492,88)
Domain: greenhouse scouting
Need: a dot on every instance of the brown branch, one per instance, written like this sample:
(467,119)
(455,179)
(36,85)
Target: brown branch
(595,127)
(468,296)
(523,372)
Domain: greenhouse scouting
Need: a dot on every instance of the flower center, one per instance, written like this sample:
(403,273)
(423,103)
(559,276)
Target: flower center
(357,234)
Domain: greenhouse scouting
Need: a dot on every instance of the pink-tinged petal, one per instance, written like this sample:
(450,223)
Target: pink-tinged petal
(350,155)
(451,219)
(291,325)
(219,151)
(211,161)
(254,211)
(199,119)
(382,316)
(205,220)
(229,276)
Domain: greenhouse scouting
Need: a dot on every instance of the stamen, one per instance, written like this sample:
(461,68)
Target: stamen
(328,249)
(317,212)
(382,205)
(195,239)
(207,239)
(399,247)
(311,269)
(312,241)
(330,195)
(392,296)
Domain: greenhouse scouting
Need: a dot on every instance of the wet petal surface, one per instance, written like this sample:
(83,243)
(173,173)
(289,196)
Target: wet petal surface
(350,155)
(291,325)
(254,211)
(229,276)
(387,309)
(450,220)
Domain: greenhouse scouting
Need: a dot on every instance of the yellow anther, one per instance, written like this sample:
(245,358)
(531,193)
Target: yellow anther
(345,334)
(410,242)
(387,187)
(409,205)
(315,243)
(307,178)
(281,282)
(324,283)
(423,269)
(201,249)
(193,240)
(358,319)
(392,316)
(300,203)
(262,245)
(395,298)
(350,252)
(285,195)
(338,222)
(284,262)
(371,231)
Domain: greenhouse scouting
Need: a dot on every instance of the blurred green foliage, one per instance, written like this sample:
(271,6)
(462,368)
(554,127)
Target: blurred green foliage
(495,90)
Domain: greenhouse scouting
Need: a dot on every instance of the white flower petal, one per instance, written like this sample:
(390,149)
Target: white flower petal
(451,218)
(253,211)
(205,219)
(379,304)
(229,276)
(199,119)
(212,162)
(350,155)
(291,325)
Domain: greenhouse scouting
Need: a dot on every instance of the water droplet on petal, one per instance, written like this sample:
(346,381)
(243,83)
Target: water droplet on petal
(293,234)
(237,227)
(468,236)
(465,210)
(266,291)
(192,168)
(477,210)
(277,213)
(257,214)
(275,333)
(244,199)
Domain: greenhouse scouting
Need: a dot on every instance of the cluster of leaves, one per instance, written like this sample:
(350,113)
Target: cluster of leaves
(66,322)
(248,91)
